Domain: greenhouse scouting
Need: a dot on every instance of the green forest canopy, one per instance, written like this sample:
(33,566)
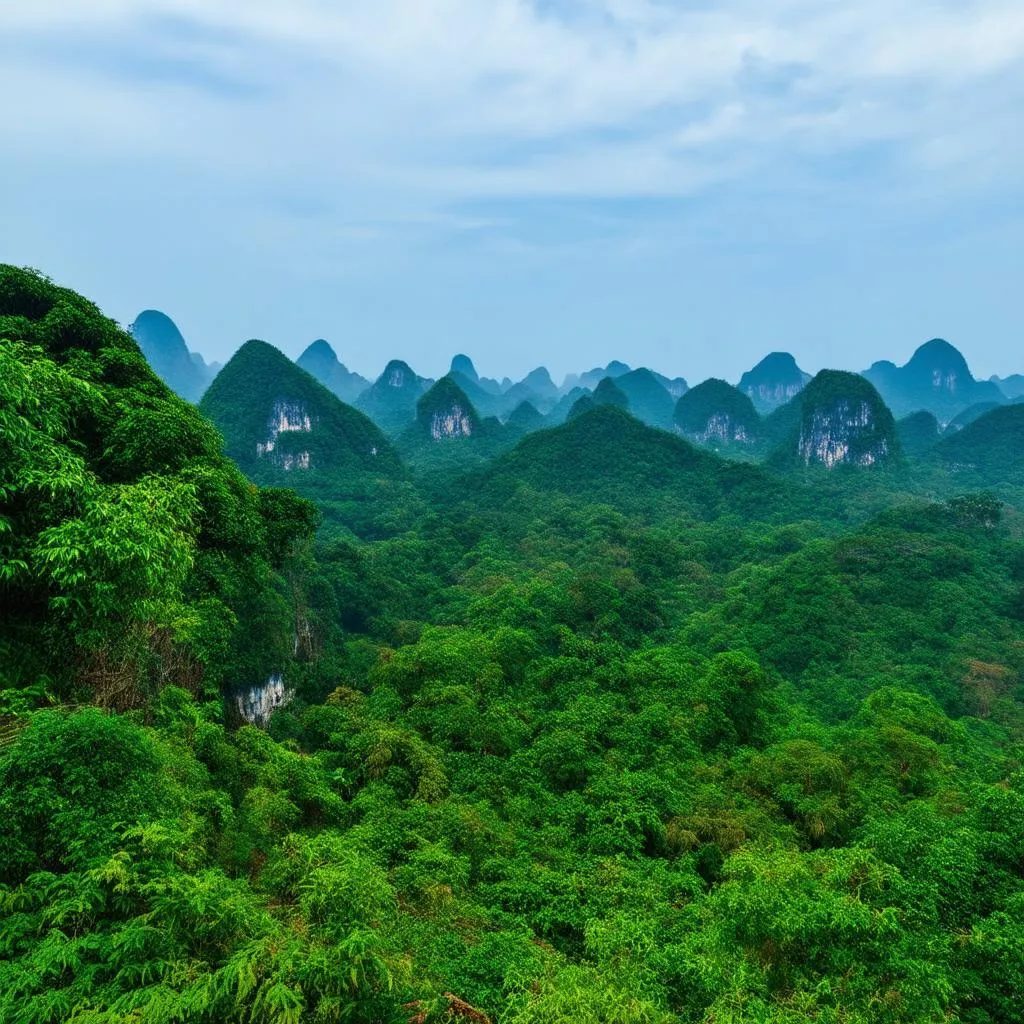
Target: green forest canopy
(609,731)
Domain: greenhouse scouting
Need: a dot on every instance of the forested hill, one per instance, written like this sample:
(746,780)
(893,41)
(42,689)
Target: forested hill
(608,730)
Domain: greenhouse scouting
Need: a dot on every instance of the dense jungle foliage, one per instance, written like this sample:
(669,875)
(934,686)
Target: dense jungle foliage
(606,730)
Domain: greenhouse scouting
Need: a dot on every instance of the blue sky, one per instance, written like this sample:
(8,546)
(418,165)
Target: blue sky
(683,184)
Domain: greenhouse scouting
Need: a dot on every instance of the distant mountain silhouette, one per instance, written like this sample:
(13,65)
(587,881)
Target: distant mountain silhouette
(536,387)
(1012,386)
(649,399)
(524,419)
(321,361)
(592,378)
(463,365)
(607,392)
(391,400)
(936,378)
(775,381)
(165,350)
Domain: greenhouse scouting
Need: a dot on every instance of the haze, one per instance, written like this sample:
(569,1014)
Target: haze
(683,185)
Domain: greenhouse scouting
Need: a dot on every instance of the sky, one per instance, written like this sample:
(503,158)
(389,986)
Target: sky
(681,184)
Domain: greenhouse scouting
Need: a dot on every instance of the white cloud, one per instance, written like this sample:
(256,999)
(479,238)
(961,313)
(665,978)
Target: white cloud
(452,99)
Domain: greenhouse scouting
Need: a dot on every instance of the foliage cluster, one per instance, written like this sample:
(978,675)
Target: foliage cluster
(609,731)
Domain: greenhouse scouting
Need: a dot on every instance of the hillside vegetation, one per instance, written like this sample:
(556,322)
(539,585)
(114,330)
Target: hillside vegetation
(606,730)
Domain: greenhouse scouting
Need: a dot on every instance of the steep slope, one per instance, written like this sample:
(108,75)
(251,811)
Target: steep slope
(969,415)
(564,406)
(649,400)
(936,378)
(716,413)
(391,401)
(133,555)
(607,392)
(320,361)
(446,414)
(843,421)
(486,402)
(775,381)
(166,352)
(463,365)
(989,451)
(282,425)
(524,419)
(675,386)
(918,433)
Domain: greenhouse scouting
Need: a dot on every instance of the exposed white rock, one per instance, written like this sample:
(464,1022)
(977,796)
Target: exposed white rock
(720,427)
(396,378)
(256,704)
(451,422)
(773,394)
(827,441)
(286,417)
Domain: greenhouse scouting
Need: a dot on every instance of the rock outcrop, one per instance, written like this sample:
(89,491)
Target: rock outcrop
(843,421)
(716,413)
(255,704)
(276,419)
(445,413)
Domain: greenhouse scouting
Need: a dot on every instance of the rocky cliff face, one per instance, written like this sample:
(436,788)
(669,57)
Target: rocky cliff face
(844,422)
(255,704)
(446,413)
(775,381)
(286,417)
(275,416)
(451,422)
(716,413)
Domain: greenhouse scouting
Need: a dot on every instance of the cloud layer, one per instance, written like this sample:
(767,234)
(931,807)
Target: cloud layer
(339,142)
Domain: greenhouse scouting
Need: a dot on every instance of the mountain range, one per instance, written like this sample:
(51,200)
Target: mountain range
(315,415)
